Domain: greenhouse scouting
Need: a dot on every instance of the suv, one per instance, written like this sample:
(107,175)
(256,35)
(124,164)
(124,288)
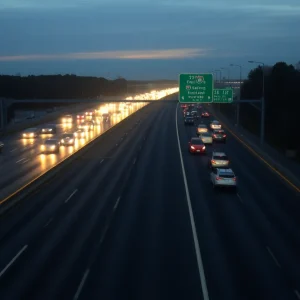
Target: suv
(223,178)
(189,120)
(218,160)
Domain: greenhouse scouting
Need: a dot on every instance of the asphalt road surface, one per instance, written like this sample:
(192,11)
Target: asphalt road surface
(22,161)
(123,223)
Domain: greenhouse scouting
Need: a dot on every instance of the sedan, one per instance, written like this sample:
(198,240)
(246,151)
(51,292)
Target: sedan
(196,145)
(206,137)
(50,146)
(67,139)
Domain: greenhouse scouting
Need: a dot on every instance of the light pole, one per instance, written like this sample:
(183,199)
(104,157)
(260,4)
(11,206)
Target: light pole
(238,105)
(262,126)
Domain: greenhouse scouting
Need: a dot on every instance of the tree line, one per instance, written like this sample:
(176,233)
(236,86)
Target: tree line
(59,87)
(281,91)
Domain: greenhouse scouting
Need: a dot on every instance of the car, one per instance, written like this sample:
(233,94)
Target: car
(80,133)
(223,178)
(206,137)
(219,135)
(67,139)
(215,125)
(48,129)
(30,133)
(196,145)
(90,113)
(183,106)
(189,120)
(67,119)
(218,160)
(201,128)
(205,114)
(50,146)
(1,147)
(80,117)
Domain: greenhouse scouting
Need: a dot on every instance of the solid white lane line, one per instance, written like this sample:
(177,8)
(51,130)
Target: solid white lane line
(13,150)
(73,193)
(101,161)
(20,160)
(117,203)
(13,260)
(297,294)
(194,231)
(273,257)
(85,275)
(134,161)
(26,160)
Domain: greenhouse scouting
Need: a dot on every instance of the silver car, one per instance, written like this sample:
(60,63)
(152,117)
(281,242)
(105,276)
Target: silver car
(218,160)
(223,178)
(206,137)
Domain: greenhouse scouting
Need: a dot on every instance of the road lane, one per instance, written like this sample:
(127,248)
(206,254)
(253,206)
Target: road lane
(239,229)
(149,251)
(62,237)
(21,160)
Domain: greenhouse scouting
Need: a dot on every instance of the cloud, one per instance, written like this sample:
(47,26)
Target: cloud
(136,55)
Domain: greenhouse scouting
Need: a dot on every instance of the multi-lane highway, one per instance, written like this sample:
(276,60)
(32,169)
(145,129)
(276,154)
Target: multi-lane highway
(136,218)
(21,160)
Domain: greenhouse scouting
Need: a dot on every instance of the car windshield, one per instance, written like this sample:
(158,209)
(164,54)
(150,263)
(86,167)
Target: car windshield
(219,131)
(197,142)
(30,130)
(50,142)
(202,126)
(220,157)
(67,135)
(215,122)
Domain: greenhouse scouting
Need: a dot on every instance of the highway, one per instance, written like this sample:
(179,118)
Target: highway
(22,161)
(130,220)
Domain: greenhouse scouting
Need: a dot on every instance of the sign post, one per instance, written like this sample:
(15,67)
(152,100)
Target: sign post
(195,88)
(223,95)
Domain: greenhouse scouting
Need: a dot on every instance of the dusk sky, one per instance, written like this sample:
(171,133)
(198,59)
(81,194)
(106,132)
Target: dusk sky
(145,39)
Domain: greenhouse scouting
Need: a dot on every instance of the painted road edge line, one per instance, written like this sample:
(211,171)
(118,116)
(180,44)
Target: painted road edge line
(194,231)
(262,159)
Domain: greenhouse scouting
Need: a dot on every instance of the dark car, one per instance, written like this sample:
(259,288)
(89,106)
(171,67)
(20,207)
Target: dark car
(196,145)
(189,120)
(48,129)
(205,114)
(50,146)
(219,135)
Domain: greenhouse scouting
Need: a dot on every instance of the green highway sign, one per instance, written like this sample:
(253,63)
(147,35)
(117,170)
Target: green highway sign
(196,88)
(223,95)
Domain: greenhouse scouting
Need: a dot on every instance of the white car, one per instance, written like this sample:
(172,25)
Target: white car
(223,178)
(215,125)
(218,160)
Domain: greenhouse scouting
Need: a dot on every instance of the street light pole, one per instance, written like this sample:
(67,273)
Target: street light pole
(228,72)
(238,105)
(262,117)
(220,75)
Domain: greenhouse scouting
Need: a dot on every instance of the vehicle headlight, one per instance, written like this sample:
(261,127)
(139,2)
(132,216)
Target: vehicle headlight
(53,147)
(192,147)
(71,141)
(203,147)
(64,120)
(62,141)
(31,134)
(42,147)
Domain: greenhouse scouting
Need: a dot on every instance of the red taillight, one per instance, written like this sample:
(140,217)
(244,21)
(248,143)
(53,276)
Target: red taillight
(213,161)
(218,178)
(224,135)
(214,135)
(234,178)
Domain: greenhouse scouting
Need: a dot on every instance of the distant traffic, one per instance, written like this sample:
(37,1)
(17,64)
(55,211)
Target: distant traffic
(209,132)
